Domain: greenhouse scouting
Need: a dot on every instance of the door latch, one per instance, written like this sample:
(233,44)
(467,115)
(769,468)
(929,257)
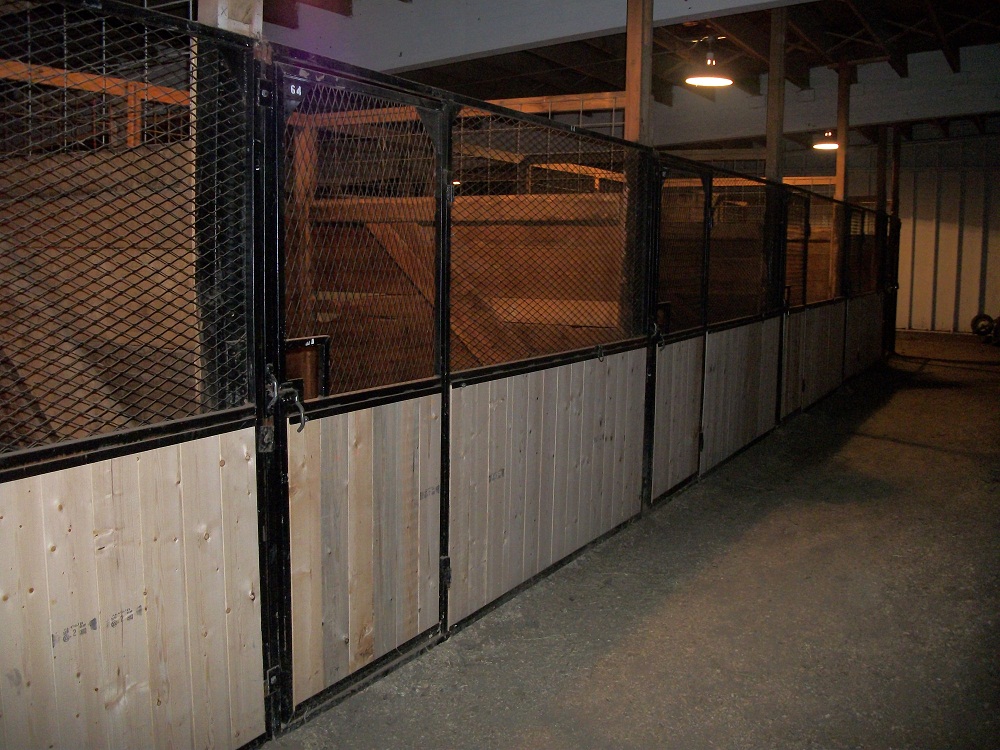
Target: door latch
(289,394)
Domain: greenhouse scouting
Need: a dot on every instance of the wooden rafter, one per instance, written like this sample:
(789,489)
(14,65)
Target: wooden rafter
(871,14)
(550,105)
(615,47)
(949,50)
(808,27)
(755,43)
(576,57)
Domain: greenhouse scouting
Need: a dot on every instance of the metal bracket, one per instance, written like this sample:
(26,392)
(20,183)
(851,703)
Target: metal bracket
(271,680)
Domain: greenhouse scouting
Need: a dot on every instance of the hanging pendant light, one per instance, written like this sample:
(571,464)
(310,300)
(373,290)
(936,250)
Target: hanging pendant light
(709,74)
(826,142)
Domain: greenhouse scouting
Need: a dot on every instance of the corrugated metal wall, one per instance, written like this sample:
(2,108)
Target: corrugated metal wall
(949,256)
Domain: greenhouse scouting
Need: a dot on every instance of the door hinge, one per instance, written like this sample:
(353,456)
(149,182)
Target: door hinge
(272,680)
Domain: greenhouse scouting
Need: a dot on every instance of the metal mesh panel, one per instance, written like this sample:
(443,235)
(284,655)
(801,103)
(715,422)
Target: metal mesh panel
(796,236)
(122,225)
(737,274)
(544,255)
(864,258)
(823,264)
(682,250)
(360,241)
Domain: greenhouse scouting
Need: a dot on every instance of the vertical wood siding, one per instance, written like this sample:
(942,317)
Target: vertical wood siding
(793,363)
(364,494)
(541,464)
(680,368)
(949,256)
(129,601)
(741,388)
(863,337)
(822,351)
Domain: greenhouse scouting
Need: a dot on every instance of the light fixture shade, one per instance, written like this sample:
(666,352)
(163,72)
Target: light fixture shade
(708,74)
(826,142)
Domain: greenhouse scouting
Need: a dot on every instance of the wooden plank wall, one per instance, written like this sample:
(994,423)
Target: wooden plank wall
(541,464)
(949,263)
(793,363)
(823,351)
(680,368)
(364,494)
(129,601)
(863,337)
(741,371)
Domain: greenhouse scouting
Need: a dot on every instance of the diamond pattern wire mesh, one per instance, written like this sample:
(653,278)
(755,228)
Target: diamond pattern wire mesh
(796,247)
(122,220)
(863,261)
(682,249)
(360,241)
(737,273)
(823,266)
(544,255)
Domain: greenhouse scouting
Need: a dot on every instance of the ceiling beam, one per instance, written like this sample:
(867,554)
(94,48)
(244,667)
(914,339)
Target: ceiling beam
(870,132)
(719,154)
(805,140)
(807,25)
(551,105)
(775,144)
(755,42)
(949,49)
(615,46)
(586,61)
(871,13)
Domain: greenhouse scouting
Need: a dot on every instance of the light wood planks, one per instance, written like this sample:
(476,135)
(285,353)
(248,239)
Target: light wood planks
(863,336)
(741,369)
(823,351)
(542,464)
(679,372)
(364,493)
(793,377)
(129,601)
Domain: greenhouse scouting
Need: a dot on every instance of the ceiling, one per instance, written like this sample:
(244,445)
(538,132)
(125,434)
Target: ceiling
(820,34)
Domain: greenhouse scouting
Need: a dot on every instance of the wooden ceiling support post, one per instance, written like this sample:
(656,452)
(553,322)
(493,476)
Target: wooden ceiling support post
(638,70)
(881,167)
(844,75)
(897,143)
(774,164)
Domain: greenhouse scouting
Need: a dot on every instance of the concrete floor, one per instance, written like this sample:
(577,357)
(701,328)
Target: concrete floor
(835,586)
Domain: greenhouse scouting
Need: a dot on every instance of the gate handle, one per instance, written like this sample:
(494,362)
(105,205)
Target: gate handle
(288,391)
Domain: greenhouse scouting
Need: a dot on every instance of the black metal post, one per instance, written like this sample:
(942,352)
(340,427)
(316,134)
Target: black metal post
(272,456)
(650,226)
(441,130)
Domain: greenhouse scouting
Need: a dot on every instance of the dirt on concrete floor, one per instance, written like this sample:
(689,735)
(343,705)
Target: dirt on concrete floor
(837,585)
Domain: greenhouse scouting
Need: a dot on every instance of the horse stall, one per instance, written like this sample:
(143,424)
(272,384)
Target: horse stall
(129,563)
(304,366)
